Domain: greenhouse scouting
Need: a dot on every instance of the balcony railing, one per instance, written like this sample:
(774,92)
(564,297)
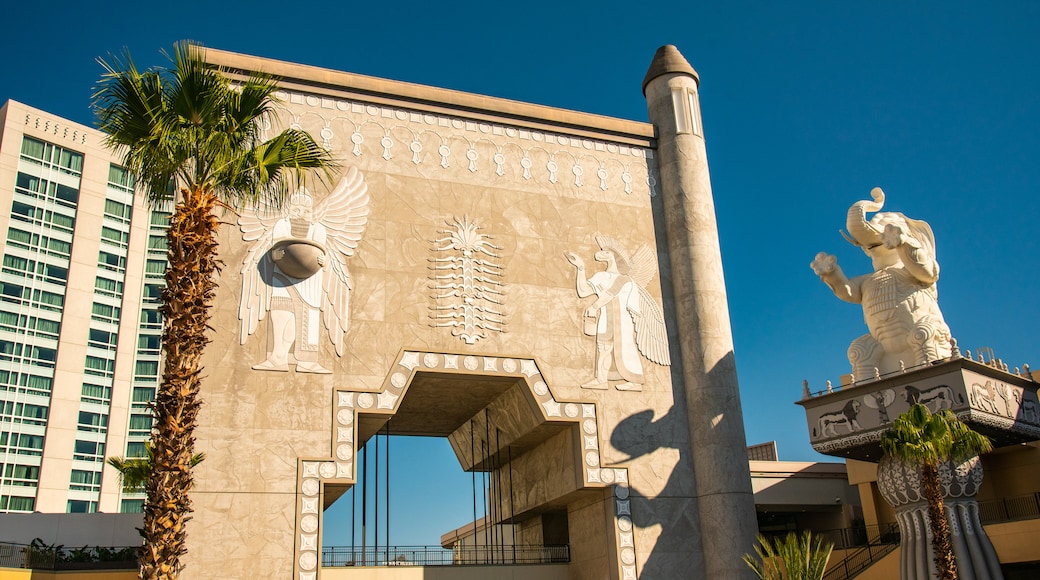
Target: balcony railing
(337,556)
(1006,509)
(40,556)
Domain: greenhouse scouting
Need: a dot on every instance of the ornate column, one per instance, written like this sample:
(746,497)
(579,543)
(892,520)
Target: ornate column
(725,500)
(900,485)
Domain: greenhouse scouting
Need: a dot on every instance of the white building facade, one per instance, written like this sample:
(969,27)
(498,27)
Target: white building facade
(83,264)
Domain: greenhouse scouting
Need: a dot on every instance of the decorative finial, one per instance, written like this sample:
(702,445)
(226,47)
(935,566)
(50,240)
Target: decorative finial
(877,374)
(852,378)
(830,389)
(956,351)
(805,389)
(967,355)
(1016,372)
(902,367)
(1026,373)
(667,60)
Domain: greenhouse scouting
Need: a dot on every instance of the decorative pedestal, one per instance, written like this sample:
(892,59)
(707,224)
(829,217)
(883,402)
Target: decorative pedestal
(900,485)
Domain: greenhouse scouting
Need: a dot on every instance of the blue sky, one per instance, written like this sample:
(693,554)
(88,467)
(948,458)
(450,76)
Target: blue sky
(806,107)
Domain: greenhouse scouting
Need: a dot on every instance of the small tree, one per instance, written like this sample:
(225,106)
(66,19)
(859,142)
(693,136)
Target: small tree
(133,471)
(919,437)
(792,557)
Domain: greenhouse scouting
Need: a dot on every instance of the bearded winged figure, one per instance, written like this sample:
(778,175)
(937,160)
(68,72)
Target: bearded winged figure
(899,298)
(625,318)
(295,273)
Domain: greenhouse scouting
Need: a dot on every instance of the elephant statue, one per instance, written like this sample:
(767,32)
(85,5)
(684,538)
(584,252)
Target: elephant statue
(899,297)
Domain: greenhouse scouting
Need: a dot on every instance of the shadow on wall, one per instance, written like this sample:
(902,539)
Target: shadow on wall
(678,552)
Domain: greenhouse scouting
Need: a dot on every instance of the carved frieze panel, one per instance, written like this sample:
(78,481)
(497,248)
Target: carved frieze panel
(493,149)
(848,422)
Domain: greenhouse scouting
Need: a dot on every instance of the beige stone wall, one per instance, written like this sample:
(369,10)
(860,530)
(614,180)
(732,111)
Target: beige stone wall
(536,194)
(547,572)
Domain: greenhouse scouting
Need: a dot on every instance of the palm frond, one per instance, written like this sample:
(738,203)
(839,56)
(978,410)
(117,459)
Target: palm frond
(792,557)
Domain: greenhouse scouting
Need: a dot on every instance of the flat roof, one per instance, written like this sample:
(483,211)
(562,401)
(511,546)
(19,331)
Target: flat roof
(433,99)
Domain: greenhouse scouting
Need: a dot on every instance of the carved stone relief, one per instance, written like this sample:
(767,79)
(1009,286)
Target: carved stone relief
(340,468)
(900,301)
(477,146)
(625,318)
(466,282)
(295,273)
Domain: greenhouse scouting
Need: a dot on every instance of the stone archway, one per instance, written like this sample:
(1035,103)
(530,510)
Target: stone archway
(510,386)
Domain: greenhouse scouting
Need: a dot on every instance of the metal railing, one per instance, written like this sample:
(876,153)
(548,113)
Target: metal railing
(40,556)
(338,556)
(854,537)
(874,542)
(1006,509)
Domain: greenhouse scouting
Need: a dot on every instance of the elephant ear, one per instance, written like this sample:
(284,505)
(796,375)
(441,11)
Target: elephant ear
(922,232)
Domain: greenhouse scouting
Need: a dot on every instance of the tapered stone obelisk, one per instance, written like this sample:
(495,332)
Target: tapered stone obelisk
(719,450)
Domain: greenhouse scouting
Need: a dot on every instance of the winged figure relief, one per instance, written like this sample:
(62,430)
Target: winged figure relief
(625,318)
(295,272)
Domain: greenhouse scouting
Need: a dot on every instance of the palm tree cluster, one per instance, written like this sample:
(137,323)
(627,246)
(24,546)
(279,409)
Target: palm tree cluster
(919,437)
(185,131)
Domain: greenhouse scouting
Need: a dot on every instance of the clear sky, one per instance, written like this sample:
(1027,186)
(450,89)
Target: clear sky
(806,107)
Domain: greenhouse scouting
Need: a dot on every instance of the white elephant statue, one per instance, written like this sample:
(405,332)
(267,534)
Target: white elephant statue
(899,297)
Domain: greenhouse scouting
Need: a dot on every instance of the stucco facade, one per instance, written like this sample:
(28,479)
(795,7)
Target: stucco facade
(494,272)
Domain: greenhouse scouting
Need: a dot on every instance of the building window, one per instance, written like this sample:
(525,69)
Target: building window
(51,155)
(92,422)
(17,504)
(95,394)
(143,395)
(136,449)
(21,475)
(85,480)
(140,425)
(131,506)
(89,451)
(78,506)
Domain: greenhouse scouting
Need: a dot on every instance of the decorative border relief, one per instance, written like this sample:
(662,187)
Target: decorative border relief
(623,520)
(582,161)
(350,404)
(50,127)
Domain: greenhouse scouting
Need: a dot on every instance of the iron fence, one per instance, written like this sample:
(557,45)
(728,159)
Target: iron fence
(854,537)
(338,556)
(1023,507)
(860,560)
(40,556)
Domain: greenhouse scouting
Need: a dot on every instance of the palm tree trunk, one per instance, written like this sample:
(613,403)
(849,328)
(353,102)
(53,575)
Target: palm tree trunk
(185,309)
(945,563)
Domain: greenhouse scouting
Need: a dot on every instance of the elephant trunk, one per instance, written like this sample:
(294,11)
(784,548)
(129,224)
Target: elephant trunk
(863,232)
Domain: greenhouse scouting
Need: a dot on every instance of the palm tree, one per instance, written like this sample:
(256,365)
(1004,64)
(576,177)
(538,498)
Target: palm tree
(791,557)
(133,471)
(185,129)
(918,437)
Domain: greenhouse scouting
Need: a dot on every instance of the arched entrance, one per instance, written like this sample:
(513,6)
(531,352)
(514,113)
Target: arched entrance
(494,411)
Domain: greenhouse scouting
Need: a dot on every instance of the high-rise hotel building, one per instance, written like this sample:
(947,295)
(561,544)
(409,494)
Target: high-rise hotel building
(83,264)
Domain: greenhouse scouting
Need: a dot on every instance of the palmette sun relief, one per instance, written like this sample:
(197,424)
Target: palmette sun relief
(295,273)
(466,282)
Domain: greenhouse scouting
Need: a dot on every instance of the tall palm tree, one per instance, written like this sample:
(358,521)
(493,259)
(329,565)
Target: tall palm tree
(918,437)
(185,130)
(792,557)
